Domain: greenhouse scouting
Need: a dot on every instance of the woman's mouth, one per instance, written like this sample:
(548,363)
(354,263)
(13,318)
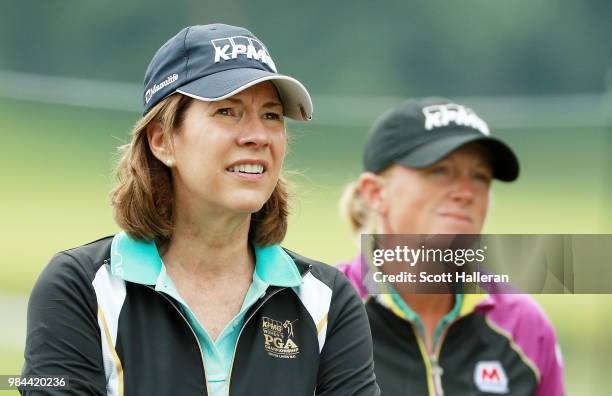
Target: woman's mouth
(457,217)
(247,169)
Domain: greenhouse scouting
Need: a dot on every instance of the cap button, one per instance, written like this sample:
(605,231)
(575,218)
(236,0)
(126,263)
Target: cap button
(303,111)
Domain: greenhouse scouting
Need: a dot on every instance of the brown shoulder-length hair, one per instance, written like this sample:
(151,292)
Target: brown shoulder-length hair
(143,199)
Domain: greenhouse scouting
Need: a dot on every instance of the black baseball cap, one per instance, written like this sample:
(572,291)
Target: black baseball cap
(213,62)
(419,132)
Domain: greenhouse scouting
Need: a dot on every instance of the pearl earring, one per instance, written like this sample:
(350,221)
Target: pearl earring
(169,162)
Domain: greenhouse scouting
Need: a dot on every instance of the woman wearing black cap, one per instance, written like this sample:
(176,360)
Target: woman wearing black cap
(195,296)
(429,165)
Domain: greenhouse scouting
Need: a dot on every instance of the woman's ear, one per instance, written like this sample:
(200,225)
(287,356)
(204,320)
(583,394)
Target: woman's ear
(373,191)
(158,144)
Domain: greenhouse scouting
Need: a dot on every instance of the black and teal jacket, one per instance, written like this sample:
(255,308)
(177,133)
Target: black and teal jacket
(110,336)
(487,345)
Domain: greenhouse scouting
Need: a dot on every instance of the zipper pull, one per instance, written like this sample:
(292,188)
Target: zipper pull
(436,372)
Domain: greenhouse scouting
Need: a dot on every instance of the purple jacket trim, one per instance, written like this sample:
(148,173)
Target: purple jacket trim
(528,327)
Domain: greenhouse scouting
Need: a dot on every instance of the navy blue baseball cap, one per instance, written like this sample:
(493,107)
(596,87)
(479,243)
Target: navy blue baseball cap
(213,62)
(420,132)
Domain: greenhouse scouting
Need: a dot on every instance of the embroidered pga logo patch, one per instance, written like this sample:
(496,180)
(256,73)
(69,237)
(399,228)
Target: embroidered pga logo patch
(490,377)
(279,338)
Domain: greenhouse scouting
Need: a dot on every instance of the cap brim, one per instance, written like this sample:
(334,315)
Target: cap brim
(218,86)
(504,161)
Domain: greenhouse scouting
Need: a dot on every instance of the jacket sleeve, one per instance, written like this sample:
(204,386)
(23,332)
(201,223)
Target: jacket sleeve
(551,381)
(353,272)
(63,336)
(346,364)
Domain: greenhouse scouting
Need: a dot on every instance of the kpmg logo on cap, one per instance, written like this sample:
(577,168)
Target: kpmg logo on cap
(156,87)
(438,116)
(230,48)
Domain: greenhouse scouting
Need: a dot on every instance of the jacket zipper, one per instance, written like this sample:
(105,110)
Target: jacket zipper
(194,335)
(435,356)
(261,304)
(436,369)
(435,373)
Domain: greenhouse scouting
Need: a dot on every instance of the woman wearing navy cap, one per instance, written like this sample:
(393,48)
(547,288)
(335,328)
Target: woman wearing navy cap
(429,165)
(195,296)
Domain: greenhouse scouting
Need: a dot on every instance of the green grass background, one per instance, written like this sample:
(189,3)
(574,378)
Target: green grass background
(56,173)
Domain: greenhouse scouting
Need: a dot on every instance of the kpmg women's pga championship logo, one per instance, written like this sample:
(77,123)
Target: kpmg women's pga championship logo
(279,338)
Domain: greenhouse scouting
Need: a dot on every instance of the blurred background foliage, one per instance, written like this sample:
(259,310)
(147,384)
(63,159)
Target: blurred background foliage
(537,71)
(419,47)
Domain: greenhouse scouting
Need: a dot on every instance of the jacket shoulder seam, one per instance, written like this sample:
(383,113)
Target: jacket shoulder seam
(515,347)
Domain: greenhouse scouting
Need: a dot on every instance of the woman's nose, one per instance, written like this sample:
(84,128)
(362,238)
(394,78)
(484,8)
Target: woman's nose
(253,133)
(463,189)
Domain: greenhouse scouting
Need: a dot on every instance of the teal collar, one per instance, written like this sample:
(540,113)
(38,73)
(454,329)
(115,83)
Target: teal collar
(414,317)
(139,262)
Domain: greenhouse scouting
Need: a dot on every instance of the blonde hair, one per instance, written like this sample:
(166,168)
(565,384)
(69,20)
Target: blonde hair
(143,199)
(355,210)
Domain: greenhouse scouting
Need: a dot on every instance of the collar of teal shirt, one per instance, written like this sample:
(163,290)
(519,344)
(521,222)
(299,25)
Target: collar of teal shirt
(139,262)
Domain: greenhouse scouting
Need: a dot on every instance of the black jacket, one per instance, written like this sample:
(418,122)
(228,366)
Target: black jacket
(115,337)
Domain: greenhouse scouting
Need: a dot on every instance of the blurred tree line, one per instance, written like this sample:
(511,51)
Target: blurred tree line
(404,48)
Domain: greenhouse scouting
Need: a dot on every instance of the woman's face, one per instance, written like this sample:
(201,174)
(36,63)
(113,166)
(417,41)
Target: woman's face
(448,197)
(228,154)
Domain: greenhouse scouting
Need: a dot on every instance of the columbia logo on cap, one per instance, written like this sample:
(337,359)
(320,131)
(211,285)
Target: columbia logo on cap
(230,48)
(156,87)
(438,116)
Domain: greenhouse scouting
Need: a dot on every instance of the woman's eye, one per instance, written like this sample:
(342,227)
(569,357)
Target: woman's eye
(483,177)
(439,170)
(272,116)
(225,111)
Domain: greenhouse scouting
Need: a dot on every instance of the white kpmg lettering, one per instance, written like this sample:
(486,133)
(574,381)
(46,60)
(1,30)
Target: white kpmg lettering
(438,116)
(230,48)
